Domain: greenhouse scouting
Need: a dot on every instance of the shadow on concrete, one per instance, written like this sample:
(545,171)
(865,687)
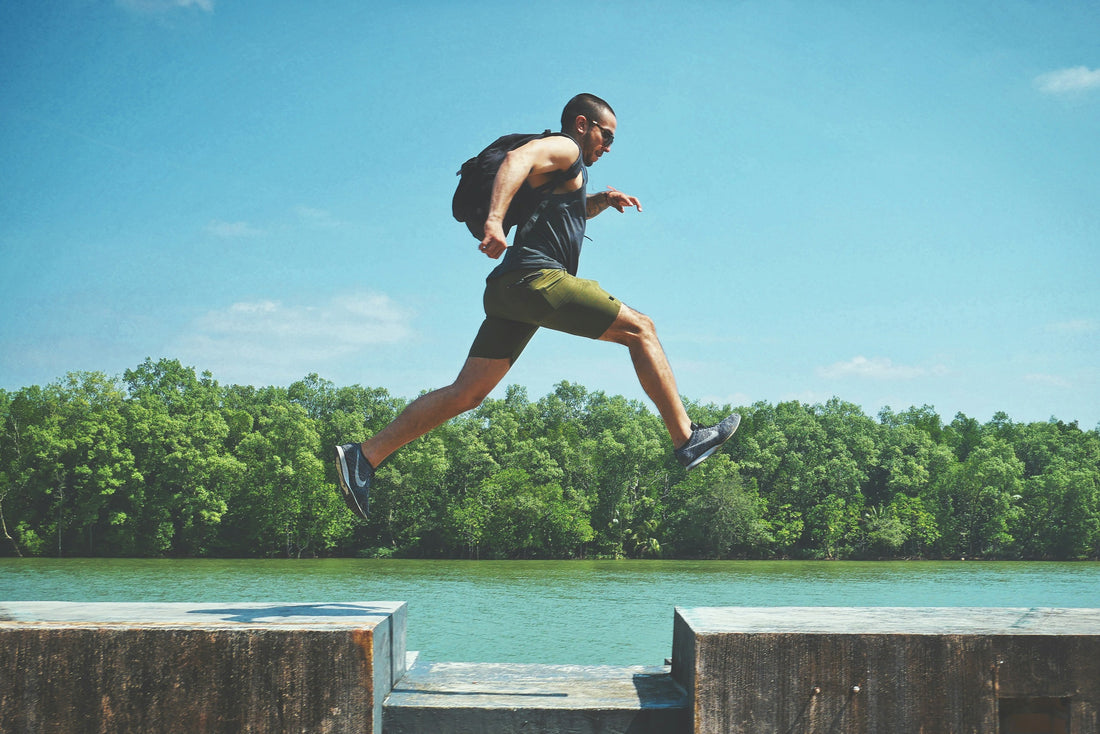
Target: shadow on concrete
(276,612)
(659,691)
(662,703)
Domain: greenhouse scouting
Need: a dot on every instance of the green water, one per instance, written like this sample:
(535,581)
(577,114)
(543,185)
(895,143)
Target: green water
(582,612)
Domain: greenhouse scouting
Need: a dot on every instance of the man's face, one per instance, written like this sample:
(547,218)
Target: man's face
(598,138)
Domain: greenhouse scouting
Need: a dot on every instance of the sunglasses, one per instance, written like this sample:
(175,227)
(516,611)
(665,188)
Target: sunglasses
(607,135)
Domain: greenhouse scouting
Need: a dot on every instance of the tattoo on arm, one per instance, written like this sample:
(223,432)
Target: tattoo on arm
(596,203)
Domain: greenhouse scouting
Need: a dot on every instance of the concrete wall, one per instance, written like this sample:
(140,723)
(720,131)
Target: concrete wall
(72,667)
(896,670)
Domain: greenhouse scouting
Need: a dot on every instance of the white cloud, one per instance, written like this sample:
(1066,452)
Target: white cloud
(1049,380)
(877,368)
(161,6)
(1075,326)
(1068,81)
(317,217)
(232,230)
(269,340)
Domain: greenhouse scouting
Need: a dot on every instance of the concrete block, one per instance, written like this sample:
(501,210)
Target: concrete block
(464,698)
(76,667)
(897,670)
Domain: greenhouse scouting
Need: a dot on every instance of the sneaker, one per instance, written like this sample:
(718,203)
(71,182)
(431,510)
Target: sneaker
(705,441)
(354,473)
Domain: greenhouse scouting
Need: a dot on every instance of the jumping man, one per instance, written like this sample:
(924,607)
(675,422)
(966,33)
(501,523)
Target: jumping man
(536,285)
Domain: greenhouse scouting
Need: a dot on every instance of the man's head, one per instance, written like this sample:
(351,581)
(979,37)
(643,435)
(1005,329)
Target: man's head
(591,122)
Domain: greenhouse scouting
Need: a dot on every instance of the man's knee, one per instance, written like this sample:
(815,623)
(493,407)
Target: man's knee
(646,327)
(631,327)
(468,397)
(476,380)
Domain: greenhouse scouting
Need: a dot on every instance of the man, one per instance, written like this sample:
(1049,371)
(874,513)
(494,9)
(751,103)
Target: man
(536,285)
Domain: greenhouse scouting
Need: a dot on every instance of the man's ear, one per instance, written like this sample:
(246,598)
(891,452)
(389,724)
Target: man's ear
(580,124)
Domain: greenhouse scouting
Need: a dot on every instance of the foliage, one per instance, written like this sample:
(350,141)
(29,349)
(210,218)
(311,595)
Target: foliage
(167,462)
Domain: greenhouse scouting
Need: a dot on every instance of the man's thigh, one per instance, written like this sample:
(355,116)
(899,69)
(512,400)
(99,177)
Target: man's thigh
(553,299)
(501,339)
(518,303)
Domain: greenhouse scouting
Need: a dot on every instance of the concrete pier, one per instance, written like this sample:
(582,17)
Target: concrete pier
(342,667)
(72,667)
(458,698)
(896,670)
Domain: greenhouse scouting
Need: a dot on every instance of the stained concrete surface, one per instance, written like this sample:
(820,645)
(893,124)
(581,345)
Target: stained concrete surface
(818,670)
(84,667)
(453,698)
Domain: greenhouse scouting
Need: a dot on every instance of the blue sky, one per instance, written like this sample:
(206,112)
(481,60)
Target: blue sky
(892,203)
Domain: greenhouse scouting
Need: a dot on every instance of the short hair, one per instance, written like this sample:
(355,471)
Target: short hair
(588,105)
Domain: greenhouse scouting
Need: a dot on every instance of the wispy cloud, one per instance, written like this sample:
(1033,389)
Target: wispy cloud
(1049,380)
(232,230)
(1074,326)
(161,6)
(1068,81)
(877,368)
(273,340)
(317,217)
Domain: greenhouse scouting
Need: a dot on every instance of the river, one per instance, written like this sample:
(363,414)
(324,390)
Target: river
(581,612)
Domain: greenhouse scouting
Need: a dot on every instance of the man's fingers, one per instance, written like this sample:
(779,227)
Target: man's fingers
(492,249)
(621,201)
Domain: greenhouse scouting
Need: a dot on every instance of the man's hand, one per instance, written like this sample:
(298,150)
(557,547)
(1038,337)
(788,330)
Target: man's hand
(494,243)
(621,201)
(610,199)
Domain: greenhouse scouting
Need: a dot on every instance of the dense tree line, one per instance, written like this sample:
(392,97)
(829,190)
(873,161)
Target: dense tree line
(167,462)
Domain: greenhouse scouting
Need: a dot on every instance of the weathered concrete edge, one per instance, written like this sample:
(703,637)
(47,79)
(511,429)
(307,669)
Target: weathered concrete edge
(1010,653)
(187,615)
(962,621)
(544,686)
(377,628)
(389,639)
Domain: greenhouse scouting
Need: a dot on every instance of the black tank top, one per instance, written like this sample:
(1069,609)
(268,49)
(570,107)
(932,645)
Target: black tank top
(553,235)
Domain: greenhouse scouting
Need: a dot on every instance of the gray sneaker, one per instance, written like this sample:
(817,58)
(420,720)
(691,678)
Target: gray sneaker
(355,475)
(705,441)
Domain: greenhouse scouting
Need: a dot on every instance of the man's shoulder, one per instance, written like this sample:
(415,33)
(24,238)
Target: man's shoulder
(557,144)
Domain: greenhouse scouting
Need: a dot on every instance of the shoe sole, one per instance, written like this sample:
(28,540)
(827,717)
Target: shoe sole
(344,480)
(705,455)
(710,452)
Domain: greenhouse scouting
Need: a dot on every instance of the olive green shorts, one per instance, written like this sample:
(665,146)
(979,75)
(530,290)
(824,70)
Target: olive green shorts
(518,303)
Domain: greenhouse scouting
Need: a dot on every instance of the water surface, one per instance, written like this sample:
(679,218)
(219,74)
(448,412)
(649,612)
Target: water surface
(582,612)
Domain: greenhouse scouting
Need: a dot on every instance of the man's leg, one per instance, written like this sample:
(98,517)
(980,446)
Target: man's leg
(475,381)
(499,343)
(693,443)
(637,333)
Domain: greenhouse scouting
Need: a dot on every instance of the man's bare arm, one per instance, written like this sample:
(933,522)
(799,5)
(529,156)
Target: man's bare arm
(602,200)
(531,162)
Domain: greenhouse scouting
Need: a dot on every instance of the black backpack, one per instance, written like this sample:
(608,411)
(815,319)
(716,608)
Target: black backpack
(470,204)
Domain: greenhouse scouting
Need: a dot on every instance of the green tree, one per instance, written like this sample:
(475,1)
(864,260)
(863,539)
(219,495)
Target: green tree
(68,469)
(963,435)
(179,437)
(921,531)
(167,462)
(284,504)
(885,531)
(8,462)
(1059,514)
(715,516)
(410,505)
(978,501)
(518,518)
